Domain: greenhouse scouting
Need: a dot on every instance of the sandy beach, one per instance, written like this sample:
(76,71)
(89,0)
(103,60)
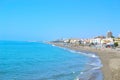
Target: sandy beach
(110,59)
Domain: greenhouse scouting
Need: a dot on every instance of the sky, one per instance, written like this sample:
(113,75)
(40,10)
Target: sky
(36,20)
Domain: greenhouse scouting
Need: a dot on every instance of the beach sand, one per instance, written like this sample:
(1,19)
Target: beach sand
(110,59)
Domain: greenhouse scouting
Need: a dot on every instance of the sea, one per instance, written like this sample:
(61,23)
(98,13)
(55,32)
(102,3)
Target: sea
(22,60)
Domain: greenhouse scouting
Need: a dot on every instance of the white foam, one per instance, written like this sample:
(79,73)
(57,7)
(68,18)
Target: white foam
(53,45)
(73,72)
(81,72)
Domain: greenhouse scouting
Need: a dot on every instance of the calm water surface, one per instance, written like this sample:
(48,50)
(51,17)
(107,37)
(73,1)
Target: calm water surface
(38,61)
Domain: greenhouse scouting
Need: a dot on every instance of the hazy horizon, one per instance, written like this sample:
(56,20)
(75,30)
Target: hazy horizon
(37,20)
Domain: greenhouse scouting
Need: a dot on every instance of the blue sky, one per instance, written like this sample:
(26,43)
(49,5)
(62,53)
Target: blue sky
(53,19)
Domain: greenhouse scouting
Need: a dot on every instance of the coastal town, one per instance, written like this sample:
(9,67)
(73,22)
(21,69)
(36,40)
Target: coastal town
(108,41)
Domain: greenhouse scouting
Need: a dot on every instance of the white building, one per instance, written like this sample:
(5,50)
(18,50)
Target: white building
(67,40)
(107,41)
(96,41)
(74,41)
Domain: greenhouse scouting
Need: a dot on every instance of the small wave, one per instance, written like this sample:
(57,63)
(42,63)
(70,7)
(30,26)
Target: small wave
(93,74)
(86,54)
(72,51)
(53,45)
(97,64)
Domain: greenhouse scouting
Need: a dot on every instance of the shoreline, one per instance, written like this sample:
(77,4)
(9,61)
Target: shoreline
(110,59)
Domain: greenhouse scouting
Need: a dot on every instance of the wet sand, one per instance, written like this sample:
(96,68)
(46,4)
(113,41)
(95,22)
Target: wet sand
(110,59)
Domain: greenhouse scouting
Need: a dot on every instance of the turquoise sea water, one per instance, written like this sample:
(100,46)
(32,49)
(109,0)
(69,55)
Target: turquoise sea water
(39,61)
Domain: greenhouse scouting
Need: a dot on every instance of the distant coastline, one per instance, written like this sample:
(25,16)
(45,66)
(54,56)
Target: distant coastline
(110,58)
